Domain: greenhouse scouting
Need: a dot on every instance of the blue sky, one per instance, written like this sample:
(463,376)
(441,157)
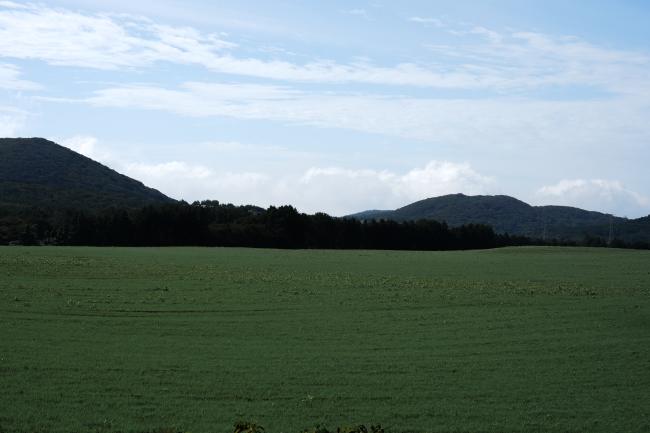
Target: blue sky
(342,106)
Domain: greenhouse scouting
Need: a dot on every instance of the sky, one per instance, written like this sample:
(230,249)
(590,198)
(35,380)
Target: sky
(342,106)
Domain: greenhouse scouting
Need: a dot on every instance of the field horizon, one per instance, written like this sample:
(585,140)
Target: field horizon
(196,339)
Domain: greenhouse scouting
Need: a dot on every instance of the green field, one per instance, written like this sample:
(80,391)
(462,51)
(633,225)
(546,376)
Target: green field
(509,340)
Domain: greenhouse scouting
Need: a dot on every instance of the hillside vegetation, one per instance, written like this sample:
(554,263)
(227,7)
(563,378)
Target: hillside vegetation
(509,215)
(52,195)
(35,172)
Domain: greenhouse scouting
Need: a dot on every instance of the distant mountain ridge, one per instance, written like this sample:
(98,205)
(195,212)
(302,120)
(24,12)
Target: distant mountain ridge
(38,176)
(509,215)
(40,173)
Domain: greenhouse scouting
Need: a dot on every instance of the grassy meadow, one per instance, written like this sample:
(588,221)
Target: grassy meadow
(192,340)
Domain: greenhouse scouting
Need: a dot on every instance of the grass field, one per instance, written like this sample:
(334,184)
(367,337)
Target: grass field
(509,340)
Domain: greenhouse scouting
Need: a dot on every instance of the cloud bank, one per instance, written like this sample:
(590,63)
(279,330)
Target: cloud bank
(337,190)
(605,195)
(341,191)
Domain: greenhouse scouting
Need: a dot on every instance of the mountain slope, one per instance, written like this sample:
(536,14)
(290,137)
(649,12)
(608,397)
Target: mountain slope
(509,215)
(38,172)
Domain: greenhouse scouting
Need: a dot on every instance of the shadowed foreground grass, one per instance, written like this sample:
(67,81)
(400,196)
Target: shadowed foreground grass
(190,339)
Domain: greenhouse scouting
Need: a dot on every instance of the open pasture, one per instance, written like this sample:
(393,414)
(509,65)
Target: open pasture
(191,339)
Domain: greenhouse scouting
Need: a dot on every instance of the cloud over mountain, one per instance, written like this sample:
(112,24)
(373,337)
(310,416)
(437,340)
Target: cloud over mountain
(521,105)
(608,195)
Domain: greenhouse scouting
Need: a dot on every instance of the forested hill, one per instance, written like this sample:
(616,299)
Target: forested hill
(35,172)
(52,195)
(509,215)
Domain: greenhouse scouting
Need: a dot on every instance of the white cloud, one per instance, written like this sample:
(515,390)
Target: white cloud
(249,152)
(11,121)
(358,12)
(336,190)
(179,179)
(346,191)
(10,79)
(516,61)
(87,146)
(12,5)
(191,182)
(498,61)
(596,194)
(340,190)
(507,123)
(62,37)
(427,20)
(443,177)
(174,169)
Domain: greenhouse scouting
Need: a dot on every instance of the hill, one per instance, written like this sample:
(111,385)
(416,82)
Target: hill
(510,215)
(35,172)
(44,186)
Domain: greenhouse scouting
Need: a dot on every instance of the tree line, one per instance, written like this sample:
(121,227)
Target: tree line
(210,223)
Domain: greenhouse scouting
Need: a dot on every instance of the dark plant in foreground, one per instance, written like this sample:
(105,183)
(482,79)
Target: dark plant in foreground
(360,429)
(247,427)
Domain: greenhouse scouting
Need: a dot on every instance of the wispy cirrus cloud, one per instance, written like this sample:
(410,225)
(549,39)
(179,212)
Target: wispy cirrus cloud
(10,79)
(519,60)
(101,41)
(362,13)
(505,122)
(437,22)
(105,41)
(12,5)
(498,61)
